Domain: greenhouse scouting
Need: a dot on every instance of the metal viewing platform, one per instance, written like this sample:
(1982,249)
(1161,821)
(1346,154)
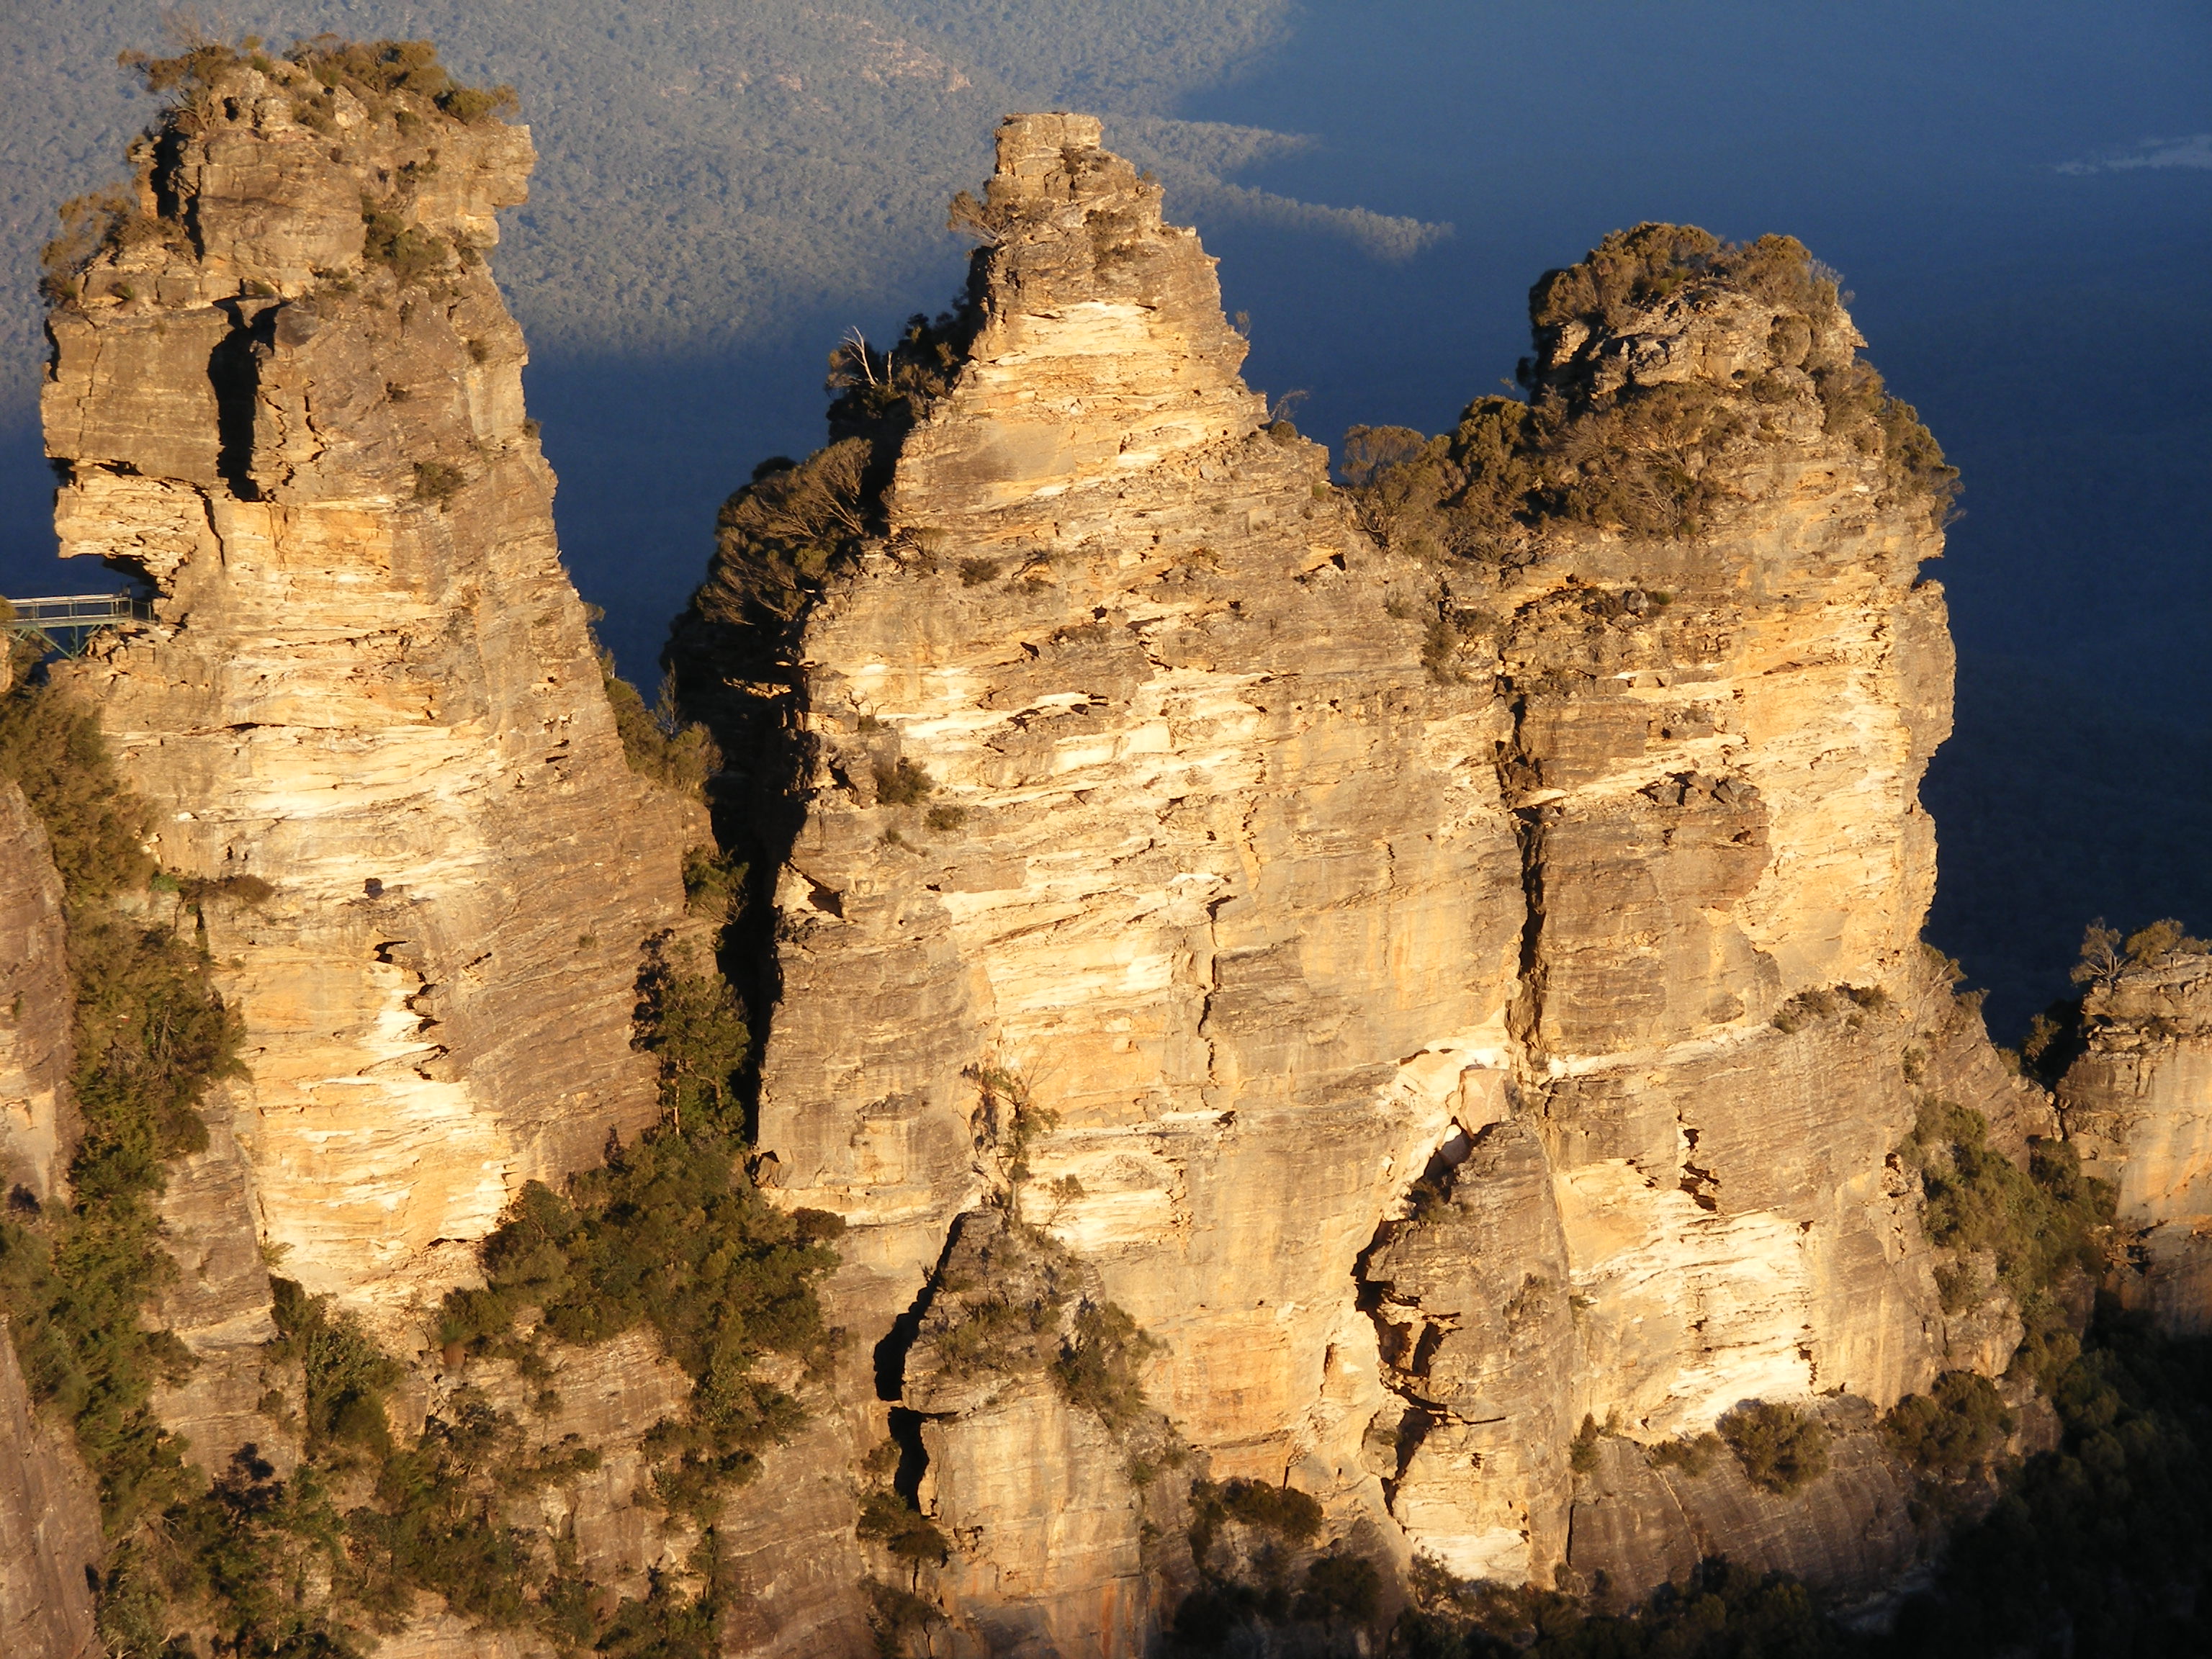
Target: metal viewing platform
(64,621)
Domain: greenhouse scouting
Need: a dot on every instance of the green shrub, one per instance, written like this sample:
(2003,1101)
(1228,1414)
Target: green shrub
(899,1617)
(777,539)
(1582,1450)
(881,394)
(1340,1589)
(1694,1455)
(408,252)
(1953,1429)
(946,818)
(149,1038)
(691,1022)
(905,784)
(1780,1447)
(714,884)
(437,482)
(1643,460)
(50,746)
(669,1233)
(888,1519)
(347,1375)
(1719,1611)
(1097,1364)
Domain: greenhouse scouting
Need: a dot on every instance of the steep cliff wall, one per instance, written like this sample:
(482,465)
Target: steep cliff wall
(49,1530)
(286,394)
(2138,1104)
(1439,985)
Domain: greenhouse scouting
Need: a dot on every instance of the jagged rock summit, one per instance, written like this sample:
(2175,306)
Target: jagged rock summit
(1340,1029)
(285,393)
(1441,960)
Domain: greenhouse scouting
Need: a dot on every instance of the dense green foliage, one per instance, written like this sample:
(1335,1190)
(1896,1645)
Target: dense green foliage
(1692,1454)
(52,748)
(2102,1548)
(779,536)
(689,1019)
(672,1234)
(1781,1448)
(1095,1368)
(1953,1429)
(658,742)
(1719,1612)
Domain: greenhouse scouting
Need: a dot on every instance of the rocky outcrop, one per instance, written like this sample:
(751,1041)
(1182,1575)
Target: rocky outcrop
(2137,1104)
(1439,998)
(1406,996)
(286,395)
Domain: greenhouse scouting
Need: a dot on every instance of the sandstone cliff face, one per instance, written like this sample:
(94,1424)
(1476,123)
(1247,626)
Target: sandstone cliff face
(2138,1106)
(286,395)
(1436,1002)
(49,1530)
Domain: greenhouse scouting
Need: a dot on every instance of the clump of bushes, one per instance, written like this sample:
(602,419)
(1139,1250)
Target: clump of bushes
(438,482)
(2038,1223)
(1096,1369)
(689,1020)
(1693,1455)
(1781,1448)
(777,539)
(886,1518)
(882,394)
(408,252)
(1719,1609)
(904,783)
(348,1377)
(2104,1538)
(671,1233)
(658,742)
(1951,1431)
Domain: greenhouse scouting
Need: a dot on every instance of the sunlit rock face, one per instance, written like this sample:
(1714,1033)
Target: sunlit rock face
(289,397)
(1428,1045)
(2137,1105)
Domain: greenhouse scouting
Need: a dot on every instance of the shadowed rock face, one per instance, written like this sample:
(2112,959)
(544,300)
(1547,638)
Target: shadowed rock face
(288,395)
(2138,1104)
(37,1118)
(49,1530)
(1448,998)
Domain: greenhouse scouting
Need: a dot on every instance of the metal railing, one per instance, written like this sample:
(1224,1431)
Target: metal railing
(63,622)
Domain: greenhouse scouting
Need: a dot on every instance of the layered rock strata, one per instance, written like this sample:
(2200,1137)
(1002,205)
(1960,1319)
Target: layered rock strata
(1438,1002)
(2137,1105)
(286,395)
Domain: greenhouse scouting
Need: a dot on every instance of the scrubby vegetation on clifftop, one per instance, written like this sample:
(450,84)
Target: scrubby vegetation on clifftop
(1641,412)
